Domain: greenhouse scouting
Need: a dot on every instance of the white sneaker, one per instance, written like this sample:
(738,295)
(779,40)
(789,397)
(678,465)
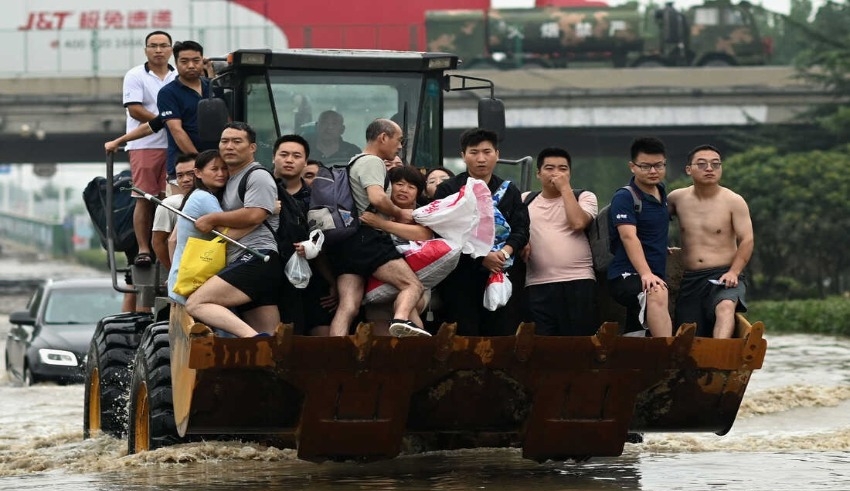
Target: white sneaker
(403,329)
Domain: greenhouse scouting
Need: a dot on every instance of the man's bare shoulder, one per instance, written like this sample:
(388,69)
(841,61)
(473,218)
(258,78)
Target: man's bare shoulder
(731,196)
(679,194)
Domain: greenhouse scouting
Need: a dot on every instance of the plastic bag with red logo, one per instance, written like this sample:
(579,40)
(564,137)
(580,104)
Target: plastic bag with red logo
(464,218)
(498,291)
(431,260)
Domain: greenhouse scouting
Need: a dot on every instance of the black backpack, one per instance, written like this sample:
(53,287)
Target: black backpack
(597,231)
(292,226)
(123,205)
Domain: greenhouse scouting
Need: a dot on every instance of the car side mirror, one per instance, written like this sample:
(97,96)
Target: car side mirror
(22,317)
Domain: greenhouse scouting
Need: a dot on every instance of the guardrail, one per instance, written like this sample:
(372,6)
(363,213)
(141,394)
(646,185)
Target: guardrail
(46,236)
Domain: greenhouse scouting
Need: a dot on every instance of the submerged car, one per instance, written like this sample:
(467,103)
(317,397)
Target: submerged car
(49,340)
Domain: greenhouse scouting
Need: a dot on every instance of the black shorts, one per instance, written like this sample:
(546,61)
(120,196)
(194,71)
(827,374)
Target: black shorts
(698,298)
(362,253)
(262,282)
(625,291)
(564,308)
(314,313)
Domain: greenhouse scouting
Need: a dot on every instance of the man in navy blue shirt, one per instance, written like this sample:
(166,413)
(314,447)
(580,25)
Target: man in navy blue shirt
(639,241)
(178,103)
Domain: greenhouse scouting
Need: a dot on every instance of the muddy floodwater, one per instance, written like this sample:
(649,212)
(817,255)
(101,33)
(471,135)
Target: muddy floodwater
(792,433)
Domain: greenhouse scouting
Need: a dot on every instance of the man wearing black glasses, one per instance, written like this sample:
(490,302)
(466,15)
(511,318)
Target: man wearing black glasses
(147,155)
(717,242)
(637,224)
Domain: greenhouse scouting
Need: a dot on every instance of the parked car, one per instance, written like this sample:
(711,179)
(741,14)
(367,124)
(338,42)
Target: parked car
(50,339)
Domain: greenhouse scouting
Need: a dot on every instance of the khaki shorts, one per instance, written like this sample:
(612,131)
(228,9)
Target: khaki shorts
(147,167)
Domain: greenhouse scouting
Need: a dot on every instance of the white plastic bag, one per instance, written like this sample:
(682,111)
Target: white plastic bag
(298,271)
(498,291)
(464,218)
(297,268)
(313,245)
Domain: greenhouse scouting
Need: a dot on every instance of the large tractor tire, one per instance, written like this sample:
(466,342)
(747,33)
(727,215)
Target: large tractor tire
(108,373)
(152,422)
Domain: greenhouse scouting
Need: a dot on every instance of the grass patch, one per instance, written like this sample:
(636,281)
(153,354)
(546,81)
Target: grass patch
(96,258)
(815,316)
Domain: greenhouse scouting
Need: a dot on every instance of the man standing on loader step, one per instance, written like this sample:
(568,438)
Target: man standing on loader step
(147,155)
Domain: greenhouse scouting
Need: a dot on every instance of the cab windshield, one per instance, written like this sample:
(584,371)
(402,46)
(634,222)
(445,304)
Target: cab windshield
(332,110)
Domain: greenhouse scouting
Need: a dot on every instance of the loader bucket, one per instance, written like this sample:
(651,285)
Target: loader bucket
(371,397)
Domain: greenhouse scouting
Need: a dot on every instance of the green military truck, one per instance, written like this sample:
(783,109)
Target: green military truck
(716,33)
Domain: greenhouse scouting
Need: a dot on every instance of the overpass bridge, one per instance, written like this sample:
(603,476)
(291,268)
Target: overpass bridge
(591,111)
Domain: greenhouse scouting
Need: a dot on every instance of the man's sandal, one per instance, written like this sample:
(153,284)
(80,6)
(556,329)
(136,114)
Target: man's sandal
(143,260)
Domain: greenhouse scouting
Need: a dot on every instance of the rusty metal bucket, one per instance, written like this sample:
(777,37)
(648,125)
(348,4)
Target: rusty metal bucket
(372,397)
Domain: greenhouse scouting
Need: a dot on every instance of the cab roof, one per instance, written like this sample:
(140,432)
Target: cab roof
(346,60)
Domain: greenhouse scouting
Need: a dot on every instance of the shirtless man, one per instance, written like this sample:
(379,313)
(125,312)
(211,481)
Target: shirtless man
(717,242)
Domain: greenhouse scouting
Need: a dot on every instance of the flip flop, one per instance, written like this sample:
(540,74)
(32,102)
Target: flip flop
(143,260)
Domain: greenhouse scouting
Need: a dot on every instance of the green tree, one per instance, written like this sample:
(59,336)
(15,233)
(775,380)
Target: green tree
(787,35)
(801,215)
(827,63)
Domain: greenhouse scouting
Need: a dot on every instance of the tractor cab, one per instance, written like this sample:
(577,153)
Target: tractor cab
(325,95)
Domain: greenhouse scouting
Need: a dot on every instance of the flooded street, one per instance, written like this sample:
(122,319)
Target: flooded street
(792,433)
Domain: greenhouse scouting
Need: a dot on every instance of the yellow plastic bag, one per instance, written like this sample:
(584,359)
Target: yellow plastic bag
(201,260)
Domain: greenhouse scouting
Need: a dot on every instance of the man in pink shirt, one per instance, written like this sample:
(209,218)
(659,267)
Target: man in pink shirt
(560,283)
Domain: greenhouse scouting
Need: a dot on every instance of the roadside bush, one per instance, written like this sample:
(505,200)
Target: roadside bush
(815,316)
(95,258)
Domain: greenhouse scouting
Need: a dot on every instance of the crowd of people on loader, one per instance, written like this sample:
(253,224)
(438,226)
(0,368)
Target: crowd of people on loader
(539,238)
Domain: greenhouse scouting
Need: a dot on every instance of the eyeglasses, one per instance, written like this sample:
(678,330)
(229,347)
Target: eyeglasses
(658,167)
(160,46)
(703,164)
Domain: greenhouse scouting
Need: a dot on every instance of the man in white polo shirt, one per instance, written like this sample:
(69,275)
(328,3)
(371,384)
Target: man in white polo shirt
(148,154)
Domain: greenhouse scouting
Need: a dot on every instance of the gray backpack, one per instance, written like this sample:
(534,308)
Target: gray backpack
(332,208)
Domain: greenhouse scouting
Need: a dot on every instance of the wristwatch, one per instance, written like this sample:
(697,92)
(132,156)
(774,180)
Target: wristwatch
(505,253)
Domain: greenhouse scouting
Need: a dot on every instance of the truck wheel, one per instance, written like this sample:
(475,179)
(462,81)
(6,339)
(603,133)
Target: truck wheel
(108,372)
(152,423)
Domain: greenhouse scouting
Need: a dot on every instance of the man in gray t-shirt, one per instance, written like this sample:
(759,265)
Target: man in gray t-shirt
(247,284)
(371,252)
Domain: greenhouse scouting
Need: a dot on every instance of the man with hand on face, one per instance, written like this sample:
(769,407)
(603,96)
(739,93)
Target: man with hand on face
(462,292)
(560,284)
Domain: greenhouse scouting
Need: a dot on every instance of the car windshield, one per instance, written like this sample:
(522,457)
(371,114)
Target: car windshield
(85,305)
